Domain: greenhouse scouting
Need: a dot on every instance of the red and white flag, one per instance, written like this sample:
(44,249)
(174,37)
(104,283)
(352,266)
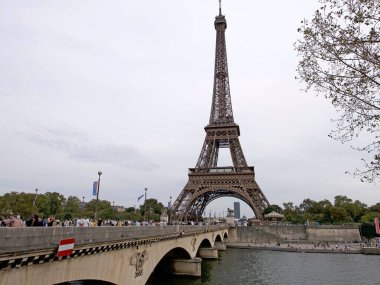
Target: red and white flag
(377,226)
(66,247)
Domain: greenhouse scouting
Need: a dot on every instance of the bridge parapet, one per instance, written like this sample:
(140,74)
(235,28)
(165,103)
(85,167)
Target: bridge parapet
(18,240)
(108,257)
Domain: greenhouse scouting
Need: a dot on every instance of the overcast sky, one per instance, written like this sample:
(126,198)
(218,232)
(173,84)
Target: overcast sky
(125,87)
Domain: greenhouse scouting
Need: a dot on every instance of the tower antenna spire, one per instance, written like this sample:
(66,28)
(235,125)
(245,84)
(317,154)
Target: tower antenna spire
(220,7)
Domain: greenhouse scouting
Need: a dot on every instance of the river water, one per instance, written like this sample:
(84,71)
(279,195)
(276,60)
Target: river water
(264,267)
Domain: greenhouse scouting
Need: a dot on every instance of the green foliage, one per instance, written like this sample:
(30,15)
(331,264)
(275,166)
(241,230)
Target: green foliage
(341,201)
(17,203)
(307,206)
(54,202)
(368,230)
(153,209)
(104,209)
(273,208)
(339,215)
(295,218)
(288,206)
(323,212)
(130,209)
(375,208)
(73,205)
(129,216)
(370,217)
(356,210)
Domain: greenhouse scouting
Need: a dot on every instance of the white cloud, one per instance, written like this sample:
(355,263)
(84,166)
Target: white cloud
(125,87)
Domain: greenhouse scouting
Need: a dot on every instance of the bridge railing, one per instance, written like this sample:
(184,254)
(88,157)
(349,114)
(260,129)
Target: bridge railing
(17,240)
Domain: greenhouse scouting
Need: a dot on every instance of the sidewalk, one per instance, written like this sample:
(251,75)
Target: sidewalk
(349,248)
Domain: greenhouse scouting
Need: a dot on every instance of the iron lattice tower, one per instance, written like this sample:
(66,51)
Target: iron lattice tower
(208,181)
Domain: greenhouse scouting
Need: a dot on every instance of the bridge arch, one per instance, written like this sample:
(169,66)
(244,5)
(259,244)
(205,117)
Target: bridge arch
(163,267)
(218,238)
(208,194)
(205,243)
(86,282)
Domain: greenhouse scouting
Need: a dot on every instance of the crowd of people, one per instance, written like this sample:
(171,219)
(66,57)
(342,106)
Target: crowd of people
(35,221)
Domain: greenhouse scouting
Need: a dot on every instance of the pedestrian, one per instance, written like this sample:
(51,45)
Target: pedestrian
(15,222)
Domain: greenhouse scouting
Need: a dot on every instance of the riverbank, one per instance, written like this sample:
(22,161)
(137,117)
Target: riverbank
(338,248)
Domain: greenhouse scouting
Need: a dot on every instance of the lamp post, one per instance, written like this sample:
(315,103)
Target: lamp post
(146,190)
(113,209)
(170,211)
(83,205)
(34,202)
(97,196)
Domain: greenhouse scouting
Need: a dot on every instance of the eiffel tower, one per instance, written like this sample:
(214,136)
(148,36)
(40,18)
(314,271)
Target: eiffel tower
(208,181)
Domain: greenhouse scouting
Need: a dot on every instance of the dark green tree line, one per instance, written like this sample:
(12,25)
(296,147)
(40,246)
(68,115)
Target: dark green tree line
(343,210)
(53,203)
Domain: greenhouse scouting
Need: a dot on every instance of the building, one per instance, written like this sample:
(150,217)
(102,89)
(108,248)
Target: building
(237,210)
(119,209)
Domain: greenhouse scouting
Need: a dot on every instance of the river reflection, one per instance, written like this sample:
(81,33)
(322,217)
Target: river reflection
(246,266)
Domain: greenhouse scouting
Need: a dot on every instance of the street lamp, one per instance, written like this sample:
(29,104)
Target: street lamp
(97,196)
(83,205)
(146,190)
(34,202)
(170,211)
(113,209)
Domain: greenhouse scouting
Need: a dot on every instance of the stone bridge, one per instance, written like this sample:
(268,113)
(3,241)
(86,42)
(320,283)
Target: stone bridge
(114,255)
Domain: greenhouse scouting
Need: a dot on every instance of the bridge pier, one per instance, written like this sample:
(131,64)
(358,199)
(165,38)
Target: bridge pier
(189,267)
(220,246)
(208,252)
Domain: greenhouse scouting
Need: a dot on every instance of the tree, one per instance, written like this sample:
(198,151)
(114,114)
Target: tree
(338,215)
(130,209)
(368,230)
(341,201)
(375,208)
(308,206)
(104,208)
(73,207)
(288,206)
(153,209)
(54,203)
(370,217)
(356,210)
(17,203)
(272,208)
(340,59)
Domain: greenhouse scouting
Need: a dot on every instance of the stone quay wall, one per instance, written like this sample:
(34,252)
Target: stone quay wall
(276,233)
(268,233)
(333,233)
